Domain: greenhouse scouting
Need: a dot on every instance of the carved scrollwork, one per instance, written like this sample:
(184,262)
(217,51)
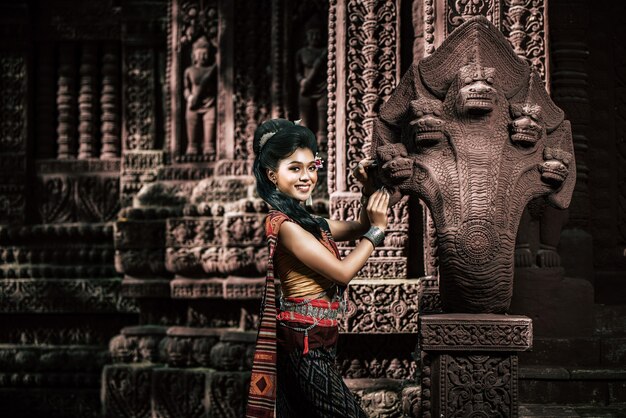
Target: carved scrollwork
(381,308)
(371,74)
(140,99)
(482,385)
(480,333)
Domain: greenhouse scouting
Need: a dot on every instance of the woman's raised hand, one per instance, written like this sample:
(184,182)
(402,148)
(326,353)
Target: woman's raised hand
(361,173)
(377,208)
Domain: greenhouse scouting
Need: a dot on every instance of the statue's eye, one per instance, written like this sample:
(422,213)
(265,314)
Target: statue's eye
(468,80)
(419,114)
(437,113)
(490,80)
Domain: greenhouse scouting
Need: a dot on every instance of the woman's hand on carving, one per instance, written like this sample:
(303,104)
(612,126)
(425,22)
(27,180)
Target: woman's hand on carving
(363,174)
(377,206)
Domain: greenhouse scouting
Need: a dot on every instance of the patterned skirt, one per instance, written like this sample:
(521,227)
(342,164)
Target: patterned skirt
(310,385)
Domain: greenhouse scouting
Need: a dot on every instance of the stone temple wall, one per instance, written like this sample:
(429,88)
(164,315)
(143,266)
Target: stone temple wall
(131,239)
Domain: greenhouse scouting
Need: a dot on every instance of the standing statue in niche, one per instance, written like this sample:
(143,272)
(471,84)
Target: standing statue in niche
(312,80)
(472,132)
(200,92)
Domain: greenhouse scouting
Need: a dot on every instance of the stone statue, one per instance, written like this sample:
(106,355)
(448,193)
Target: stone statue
(200,91)
(311,76)
(472,132)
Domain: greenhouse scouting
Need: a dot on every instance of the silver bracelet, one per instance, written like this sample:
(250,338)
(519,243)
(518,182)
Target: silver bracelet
(375,235)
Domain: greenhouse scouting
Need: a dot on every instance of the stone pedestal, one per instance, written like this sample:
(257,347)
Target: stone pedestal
(470,365)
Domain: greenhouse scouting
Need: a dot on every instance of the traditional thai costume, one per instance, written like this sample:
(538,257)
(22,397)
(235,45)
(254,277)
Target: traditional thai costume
(296,343)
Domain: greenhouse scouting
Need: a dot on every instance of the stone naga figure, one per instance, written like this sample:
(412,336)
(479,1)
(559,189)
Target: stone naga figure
(471,131)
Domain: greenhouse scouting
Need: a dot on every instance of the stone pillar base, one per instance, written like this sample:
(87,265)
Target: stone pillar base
(469,364)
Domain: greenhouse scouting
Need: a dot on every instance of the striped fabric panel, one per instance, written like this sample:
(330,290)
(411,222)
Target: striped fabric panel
(262,392)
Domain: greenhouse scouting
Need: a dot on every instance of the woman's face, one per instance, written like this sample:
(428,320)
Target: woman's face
(296,175)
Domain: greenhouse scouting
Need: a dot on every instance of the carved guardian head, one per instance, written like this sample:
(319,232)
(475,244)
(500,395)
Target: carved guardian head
(476,95)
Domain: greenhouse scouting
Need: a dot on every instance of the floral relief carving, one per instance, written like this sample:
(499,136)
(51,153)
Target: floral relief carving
(371,73)
(381,308)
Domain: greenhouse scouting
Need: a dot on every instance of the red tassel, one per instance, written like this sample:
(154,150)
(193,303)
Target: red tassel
(306,343)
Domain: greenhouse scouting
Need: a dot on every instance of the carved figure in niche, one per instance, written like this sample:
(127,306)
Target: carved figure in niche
(471,131)
(312,80)
(200,92)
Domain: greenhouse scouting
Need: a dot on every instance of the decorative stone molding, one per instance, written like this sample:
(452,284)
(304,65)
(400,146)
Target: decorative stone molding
(481,332)
(63,295)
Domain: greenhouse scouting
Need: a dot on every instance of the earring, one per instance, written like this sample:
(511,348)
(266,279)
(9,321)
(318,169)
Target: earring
(309,201)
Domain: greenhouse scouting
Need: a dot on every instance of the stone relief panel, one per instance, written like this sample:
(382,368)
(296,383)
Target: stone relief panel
(383,306)
(139,99)
(13,117)
(193,58)
(92,195)
(371,73)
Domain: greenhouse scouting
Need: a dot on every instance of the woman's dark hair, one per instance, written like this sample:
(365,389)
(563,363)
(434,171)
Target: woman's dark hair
(275,140)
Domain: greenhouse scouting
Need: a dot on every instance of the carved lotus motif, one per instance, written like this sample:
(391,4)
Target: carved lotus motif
(471,131)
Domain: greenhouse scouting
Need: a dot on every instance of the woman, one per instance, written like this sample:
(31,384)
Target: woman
(296,343)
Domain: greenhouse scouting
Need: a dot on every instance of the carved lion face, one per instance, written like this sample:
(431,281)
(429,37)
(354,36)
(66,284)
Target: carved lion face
(476,92)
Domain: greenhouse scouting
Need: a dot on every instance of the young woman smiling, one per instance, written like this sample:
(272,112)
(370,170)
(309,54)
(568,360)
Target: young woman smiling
(293,372)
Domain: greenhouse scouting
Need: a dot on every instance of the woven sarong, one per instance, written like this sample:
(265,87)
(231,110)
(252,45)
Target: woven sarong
(262,392)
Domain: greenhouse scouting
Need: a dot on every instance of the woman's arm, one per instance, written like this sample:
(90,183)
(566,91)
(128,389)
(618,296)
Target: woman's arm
(351,230)
(306,248)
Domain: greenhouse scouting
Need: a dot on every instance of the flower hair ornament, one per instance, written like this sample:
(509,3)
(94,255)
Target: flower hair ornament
(319,163)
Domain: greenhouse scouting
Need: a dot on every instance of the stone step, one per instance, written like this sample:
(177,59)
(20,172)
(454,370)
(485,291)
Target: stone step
(559,385)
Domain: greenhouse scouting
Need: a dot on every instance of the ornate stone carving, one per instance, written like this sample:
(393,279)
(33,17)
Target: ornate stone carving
(332,98)
(392,368)
(478,384)
(477,160)
(382,403)
(66,104)
(86,102)
(381,307)
(192,69)
(481,332)
(127,391)
(230,288)
(139,168)
(13,117)
(429,298)
(109,96)
(523,22)
(469,363)
(179,393)
(227,393)
(371,75)
(139,99)
(311,77)
(67,198)
(72,295)
(252,102)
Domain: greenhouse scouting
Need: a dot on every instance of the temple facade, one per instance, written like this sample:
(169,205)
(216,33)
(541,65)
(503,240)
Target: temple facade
(132,242)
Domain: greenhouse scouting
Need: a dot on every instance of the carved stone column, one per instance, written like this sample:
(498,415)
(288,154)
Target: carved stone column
(470,365)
